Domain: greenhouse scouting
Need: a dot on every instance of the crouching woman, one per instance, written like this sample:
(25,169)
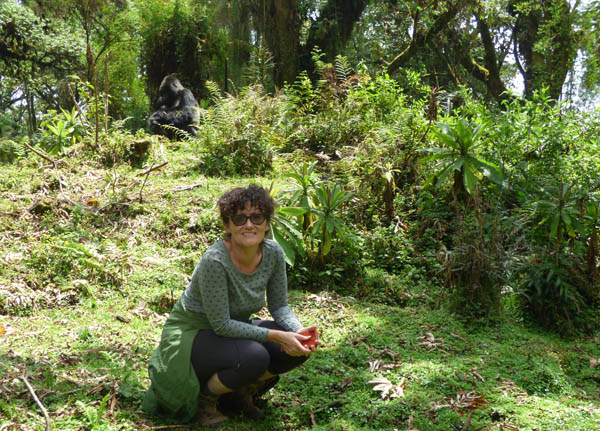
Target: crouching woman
(210,347)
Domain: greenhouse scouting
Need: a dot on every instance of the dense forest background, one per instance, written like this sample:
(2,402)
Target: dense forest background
(436,166)
(125,48)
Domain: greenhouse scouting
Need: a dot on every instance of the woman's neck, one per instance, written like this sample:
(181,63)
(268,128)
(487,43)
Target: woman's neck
(245,259)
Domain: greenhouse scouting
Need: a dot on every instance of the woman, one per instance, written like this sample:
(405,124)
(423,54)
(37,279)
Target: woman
(209,346)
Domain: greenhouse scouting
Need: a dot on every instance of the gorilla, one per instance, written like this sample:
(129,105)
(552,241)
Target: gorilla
(177,107)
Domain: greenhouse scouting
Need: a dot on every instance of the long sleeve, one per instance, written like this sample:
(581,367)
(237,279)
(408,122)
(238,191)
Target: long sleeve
(277,299)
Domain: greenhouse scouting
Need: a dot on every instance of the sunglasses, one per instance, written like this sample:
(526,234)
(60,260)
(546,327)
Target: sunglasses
(242,219)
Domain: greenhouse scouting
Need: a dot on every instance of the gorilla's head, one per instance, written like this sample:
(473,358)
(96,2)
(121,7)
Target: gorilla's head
(170,85)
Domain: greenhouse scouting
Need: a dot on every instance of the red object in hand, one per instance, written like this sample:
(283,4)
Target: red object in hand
(312,341)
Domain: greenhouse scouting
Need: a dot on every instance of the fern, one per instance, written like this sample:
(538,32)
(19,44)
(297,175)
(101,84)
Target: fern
(260,66)
(214,90)
(178,133)
(343,71)
(10,151)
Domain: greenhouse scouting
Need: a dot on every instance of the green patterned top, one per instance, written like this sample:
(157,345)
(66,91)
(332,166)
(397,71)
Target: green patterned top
(225,297)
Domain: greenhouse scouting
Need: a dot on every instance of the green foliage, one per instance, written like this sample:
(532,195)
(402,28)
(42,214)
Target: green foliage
(8,126)
(61,130)
(286,233)
(89,264)
(473,268)
(236,136)
(552,292)
(195,52)
(260,67)
(10,151)
(30,45)
(327,201)
(93,416)
(65,260)
(459,157)
(559,212)
(324,118)
(314,215)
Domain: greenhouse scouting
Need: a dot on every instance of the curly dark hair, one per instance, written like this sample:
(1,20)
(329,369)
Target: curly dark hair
(236,200)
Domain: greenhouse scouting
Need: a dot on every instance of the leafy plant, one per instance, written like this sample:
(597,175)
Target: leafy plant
(285,232)
(312,217)
(327,200)
(236,136)
(549,285)
(459,157)
(61,131)
(10,151)
(559,213)
(592,218)
(305,178)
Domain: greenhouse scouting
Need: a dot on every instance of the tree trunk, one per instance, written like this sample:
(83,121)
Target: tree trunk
(334,26)
(546,43)
(279,23)
(240,31)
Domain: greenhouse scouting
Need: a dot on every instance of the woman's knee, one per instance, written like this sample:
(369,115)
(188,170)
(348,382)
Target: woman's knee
(284,363)
(254,359)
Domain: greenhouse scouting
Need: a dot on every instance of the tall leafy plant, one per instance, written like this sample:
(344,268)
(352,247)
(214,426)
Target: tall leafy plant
(559,213)
(312,218)
(61,130)
(328,199)
(458,156)
(305,178)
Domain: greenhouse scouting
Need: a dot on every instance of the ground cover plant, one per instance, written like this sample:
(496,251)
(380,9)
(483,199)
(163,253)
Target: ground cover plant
(95,250)
(440,225)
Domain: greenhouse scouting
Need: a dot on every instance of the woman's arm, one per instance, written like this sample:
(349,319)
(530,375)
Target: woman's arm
(277,299)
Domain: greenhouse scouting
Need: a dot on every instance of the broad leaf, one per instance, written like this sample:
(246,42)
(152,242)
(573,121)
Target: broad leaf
(489,170)
(326,246)
(469,180)
(288,249)
(293,211)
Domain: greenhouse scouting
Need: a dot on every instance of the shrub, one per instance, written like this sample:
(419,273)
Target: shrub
(557,294)
(238,135)
(473,269)
(10,151)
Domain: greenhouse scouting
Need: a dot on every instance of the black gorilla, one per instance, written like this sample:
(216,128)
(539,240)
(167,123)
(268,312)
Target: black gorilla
(176,106)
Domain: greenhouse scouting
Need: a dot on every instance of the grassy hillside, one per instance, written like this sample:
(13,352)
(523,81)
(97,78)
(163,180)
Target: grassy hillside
(92,258)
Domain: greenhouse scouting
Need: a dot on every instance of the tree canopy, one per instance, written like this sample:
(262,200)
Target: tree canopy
(125,48)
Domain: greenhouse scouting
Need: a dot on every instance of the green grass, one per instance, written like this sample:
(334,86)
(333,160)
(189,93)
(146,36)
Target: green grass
(84,293)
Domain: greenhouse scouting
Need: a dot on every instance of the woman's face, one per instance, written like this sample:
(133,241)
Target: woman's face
(248,234)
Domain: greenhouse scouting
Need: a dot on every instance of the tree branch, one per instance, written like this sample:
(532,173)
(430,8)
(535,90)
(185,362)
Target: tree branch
(420,40)
(42,155)
(37,401)
(488,75)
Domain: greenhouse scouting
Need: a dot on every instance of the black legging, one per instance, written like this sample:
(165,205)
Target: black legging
(239,361)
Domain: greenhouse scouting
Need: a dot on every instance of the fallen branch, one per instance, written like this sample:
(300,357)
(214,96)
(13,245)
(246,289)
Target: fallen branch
(37,401)
(152,168)
(39,153)
(146,173)
(185,188)
(312,417)
(467,424)
(164,427)
(459,337)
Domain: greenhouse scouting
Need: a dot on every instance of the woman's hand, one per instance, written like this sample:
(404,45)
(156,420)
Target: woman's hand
(290,342)
(313,333)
